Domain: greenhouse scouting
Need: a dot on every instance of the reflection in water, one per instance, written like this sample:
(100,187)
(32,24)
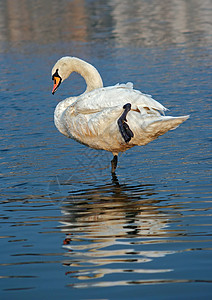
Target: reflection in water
(146,23)
(107,229)
(164,22)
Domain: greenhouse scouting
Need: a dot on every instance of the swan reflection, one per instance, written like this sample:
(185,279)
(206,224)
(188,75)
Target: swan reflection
(112,229)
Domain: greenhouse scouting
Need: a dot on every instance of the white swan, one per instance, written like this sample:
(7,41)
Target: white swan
(113,118)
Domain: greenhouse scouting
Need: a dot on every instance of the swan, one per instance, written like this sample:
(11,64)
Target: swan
(113,118)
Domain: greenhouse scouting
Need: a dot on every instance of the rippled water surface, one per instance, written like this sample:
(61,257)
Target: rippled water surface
(69,228)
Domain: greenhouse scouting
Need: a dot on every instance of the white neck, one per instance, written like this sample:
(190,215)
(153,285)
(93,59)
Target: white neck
(88,72)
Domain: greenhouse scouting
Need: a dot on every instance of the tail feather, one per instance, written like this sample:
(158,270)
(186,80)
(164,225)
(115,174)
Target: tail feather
(167,123)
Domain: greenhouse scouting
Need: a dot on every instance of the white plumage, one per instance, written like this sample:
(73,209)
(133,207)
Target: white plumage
(92,118)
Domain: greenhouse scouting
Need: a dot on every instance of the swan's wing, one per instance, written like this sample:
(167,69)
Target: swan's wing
(114,96)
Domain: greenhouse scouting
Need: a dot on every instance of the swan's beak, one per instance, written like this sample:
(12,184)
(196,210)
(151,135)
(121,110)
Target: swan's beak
(57,82)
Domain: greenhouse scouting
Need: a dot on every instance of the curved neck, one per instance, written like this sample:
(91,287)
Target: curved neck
(87,71)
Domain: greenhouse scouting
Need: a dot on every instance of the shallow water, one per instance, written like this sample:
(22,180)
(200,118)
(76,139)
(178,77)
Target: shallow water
(68,228)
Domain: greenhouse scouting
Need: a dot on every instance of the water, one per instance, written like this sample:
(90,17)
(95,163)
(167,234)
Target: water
(69,229)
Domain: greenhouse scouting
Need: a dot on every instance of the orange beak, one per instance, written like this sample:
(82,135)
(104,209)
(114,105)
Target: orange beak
(57,82)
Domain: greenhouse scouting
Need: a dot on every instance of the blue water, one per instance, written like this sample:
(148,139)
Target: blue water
(69,228)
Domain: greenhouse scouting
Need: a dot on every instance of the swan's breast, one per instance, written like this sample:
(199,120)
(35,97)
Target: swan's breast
(59,115)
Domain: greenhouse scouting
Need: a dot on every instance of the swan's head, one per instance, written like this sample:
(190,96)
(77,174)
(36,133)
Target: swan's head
(66,65)
(61,71)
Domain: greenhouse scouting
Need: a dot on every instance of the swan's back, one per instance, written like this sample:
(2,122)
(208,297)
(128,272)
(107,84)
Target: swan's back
(117,95)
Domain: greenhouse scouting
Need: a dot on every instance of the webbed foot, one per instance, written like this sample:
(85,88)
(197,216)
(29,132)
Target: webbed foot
(124,128)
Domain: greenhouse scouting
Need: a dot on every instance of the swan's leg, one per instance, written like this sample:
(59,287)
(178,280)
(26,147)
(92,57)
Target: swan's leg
(114,162)
(125,130)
